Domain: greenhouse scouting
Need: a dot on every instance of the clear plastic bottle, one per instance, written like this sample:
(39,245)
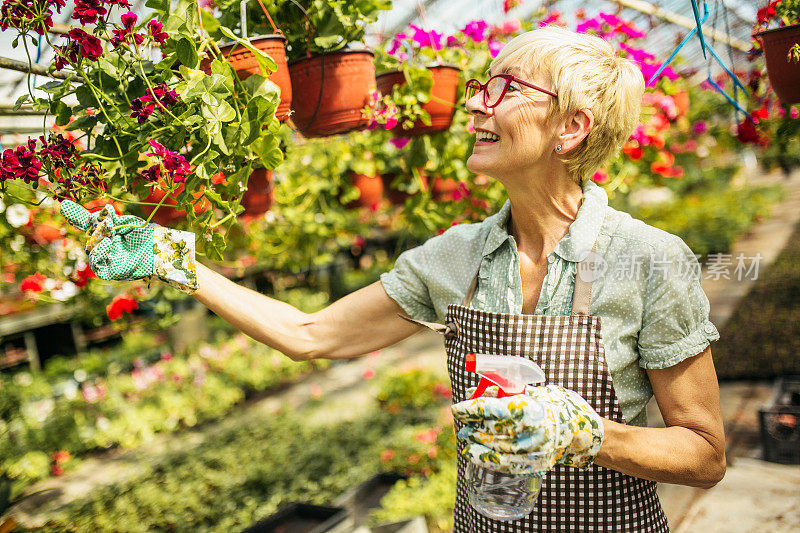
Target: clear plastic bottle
(494,494)
(501,496)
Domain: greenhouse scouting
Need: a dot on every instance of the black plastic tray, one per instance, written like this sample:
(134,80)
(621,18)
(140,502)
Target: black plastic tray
(299,517)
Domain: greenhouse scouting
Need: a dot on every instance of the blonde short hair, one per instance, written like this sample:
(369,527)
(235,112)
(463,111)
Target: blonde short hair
(586,72)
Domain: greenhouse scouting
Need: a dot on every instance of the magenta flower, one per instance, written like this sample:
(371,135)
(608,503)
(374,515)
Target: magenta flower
(400,142)
(141,109)
(495,47)
(587,25)
(431,39)
(553,18)
(700,127)
(397,43)
(154,30)
(152,173)
(475,30)
(452,41)
(174,163)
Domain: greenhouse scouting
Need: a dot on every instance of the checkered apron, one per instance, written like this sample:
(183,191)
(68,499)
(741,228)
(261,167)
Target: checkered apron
(570,351)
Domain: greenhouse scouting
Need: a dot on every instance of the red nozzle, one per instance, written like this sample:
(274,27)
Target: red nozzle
(469,366)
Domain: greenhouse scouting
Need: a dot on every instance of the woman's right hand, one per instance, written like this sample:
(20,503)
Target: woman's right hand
(128,248)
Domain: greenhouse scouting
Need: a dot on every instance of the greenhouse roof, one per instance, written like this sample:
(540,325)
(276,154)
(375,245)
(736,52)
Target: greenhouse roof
(666,22)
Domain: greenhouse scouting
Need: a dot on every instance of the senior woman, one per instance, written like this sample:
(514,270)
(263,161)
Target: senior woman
(538,279)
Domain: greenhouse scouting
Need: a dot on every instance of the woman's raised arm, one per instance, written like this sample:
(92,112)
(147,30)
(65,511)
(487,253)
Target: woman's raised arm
(357,324)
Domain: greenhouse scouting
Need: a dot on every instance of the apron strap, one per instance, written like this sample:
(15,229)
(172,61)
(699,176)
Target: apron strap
(471,290)
(582,297)
(448,330)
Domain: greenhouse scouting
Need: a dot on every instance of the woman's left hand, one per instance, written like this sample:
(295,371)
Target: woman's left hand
(529,433)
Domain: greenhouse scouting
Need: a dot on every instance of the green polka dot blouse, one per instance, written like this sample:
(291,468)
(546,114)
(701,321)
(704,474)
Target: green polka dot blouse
(654,314)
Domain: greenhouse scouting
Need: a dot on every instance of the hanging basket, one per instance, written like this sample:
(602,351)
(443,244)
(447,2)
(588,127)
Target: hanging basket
(260,193)
(371,189)
(245,64)
(440,107)
(330,90)
(784,75)
(396,196)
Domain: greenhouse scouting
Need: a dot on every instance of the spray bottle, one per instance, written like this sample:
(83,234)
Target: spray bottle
(494,494)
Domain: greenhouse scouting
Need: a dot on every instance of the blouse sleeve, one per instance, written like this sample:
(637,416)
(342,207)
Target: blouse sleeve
(675,322)
(406,284)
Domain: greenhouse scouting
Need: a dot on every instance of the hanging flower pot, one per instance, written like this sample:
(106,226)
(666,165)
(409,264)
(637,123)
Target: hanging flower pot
(329,91)
(397,196)
(371,189)
(784,75)
(440,107)
(245,64)
(260,193)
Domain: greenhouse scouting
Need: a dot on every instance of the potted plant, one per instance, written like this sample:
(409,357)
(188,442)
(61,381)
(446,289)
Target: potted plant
(150,118)
(417,84)
(332,78)
(781,47)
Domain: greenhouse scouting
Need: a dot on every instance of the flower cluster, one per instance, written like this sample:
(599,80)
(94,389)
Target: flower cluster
(20,163)
(607,25)
(87,11)
(58,152)
(173,163)
(59,458)
(382,111)
(80,45)
(33,283)
(122,303)
(144,106)
(88,175)
(508,5)
(27,15)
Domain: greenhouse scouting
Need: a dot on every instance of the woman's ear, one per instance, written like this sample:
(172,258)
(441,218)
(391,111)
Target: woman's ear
(576,128)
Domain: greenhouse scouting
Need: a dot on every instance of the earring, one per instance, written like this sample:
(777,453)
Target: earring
(558,148)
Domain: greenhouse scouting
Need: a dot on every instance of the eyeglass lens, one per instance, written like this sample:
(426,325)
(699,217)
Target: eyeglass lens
(494,90)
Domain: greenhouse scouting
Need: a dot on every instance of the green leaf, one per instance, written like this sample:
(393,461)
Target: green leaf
(86,123)
(85,96)
(63,115)
(258,111)
(187,52)
(210,24)
(50,86)
(268,149)
(21,100)
(265,62)
(161,6)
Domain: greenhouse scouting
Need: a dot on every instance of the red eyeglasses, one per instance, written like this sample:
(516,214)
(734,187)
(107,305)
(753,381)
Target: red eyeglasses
(495,89)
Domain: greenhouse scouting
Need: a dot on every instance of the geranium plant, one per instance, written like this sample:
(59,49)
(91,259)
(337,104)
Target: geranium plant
(148,119)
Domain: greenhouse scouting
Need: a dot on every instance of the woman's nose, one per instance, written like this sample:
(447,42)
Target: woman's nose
(476,105)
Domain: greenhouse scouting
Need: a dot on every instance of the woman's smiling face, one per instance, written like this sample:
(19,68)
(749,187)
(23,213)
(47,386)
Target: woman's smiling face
(519,122)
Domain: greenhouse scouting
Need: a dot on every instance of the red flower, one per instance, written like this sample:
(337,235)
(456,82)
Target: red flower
(764,14)
(154,30)
(83,275)
(56,470)
(387,455)
(33,283)
(634,151)
(174,163)
(119,305)
(87,11)
(427,437)
(120,34)
(748,134)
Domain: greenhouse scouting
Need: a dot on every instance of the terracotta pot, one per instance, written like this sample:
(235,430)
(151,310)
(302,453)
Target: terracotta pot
(784,75)
(260,193)
(245,64)
(443,189)
(330,90)
(371,189)
(681,100)
(167,215)
(441,106)
(398,197)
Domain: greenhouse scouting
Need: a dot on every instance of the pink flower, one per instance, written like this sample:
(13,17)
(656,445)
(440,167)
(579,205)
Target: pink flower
(475,30)
(554,17)
(508,5)
(368,373)
(700,127)
(495,47)
(391,122)
(600,177)
(400,142)
(174,163)
(452,41)
(510,26)
(431,39)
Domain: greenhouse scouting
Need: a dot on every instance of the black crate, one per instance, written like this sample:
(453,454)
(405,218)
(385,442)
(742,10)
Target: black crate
(300,518)
(780,423)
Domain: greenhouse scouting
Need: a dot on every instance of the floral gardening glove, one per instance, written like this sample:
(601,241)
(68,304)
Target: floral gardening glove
(137,251)
(526,434)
